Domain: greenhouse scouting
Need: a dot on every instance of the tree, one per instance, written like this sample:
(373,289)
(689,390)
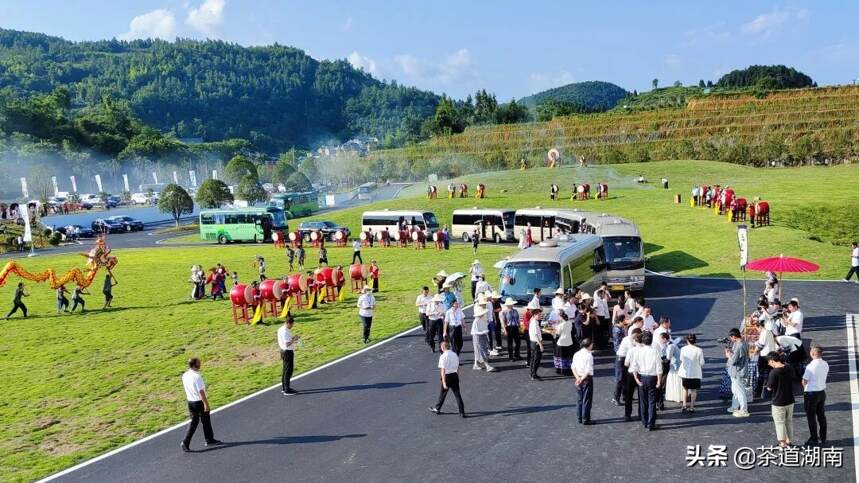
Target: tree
(678,84)
(701,84)
(239,167)
(213,193)
(282,171)
(784,77)
(484,107)
(655,83)
(297,182)
(251,190)
(176,201)
(709,83)
(512,113)
(445,120)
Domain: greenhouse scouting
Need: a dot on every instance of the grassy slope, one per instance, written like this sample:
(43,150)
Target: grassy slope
(680,239)
(75,386)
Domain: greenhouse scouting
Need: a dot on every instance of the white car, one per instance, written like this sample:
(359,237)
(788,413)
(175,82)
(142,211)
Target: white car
(139,199)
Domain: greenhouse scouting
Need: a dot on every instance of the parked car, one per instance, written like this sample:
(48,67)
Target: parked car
(74,232)
(327,228)
(143,198)
(106,225)
(128,223)
(113,201)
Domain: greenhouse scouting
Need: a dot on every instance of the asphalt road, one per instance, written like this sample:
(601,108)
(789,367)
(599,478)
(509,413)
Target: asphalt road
(366,419)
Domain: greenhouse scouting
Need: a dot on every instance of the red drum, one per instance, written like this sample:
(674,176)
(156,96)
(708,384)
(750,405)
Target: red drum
(275,237)
(294,235)
(297,283)
(356,272)
(415,235)
(337,276)
(365,236)
(339,235)
(242,295)
(266,289)
(326,275)
(437,236)
(396,236)
(279,289)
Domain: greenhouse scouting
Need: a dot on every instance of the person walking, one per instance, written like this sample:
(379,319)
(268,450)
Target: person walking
(375,272)
(435,316)
(631,383)
(290,258)
(454,326)
(366,305)
(300,254)
(480,335)
(691,371)
(448,365)
(814,396)
(476,270)
(780,383)
(446,234)
(323,256)
(261,267)
(647,370)
(107,289)
(564,351)
(198,405)
(286,341)
(738,368)
(535,336)
(583,371)
(62,300)
(620,372)
(510,324)
(475,242)
(17,302)
(495,328)
(356,251)
(77,298)
(422,302)
(854,262)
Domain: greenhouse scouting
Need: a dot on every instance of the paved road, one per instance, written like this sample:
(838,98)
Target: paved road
(366,419)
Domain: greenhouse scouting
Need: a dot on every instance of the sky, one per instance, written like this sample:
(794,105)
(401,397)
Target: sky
(511,48)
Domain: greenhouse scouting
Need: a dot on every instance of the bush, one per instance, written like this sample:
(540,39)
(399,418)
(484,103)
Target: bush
(55,238)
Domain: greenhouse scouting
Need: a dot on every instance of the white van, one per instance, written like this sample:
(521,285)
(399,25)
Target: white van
(492,224)
(624,252)
(569,262)
(544,222)
(394,220)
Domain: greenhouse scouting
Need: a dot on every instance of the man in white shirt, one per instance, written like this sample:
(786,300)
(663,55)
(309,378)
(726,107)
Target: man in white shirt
(198,405)
(535,300)
(664,326)
(366,305)
(356,251)
(854,263)
(602,313)
(482,286)
(649,321)
(454,327)
(535,336)
(435,316)
(558,300)
(814,383)
(647,369)
(633,343)
(286,341)
(448,365)
(794,320)
(583,370)
(422,303)
(476,270)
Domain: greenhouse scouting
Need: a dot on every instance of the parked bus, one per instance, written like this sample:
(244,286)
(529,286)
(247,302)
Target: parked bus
(545,221)
(365,191)
(236,224)
(494,225)
(624,252)
(295,205)
(395,220)
(569,262)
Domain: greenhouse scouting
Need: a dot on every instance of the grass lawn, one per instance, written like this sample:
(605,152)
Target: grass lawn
(75,386)
(679,239)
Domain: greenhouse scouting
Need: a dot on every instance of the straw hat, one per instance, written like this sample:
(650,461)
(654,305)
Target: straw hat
(495,295)
(560,291)
(437,298)
(368,289)
(480,310)
(509,302)
(441,273)
(481,299)
(586,296)
(476,262)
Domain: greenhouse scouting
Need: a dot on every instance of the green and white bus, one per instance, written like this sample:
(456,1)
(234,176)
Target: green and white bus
(236,224)
(295,205)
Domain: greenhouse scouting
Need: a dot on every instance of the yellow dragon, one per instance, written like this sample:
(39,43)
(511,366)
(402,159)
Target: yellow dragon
(98,257)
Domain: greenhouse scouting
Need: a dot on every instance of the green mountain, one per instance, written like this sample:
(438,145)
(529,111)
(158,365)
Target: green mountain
(275,96)
(591,95)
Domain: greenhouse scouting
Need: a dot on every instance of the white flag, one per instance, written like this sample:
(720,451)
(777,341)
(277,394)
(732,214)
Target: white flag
(98,182)
(56,187)
(743,239)
(28,232)
(125,180)
(74,184)
(214,174)
(155,177)
(175,178)
(24,191)
(193,176)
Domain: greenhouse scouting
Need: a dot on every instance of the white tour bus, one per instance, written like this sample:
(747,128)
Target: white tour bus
(494,225)
(569,262)
(624,252)
(394,220)
(544,221)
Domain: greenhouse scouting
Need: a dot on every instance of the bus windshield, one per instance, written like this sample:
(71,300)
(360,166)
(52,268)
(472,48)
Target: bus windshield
(508,218)
(430,220)
(623,253)
(519,279)
(278,218)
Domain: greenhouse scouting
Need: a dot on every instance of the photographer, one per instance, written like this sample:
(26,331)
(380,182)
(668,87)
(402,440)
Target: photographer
(738,367)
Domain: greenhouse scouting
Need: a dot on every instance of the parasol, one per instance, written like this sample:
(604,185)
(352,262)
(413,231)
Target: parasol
(789,341)
(453,277)
(782,264)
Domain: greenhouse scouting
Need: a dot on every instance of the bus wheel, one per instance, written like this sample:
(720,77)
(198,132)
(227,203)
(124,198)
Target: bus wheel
(222,240)
(465,238)
(497,238)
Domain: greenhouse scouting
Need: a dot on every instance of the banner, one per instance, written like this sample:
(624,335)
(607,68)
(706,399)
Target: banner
(155,177)
(74,184)
(193,176)
(24,191)
(28,232)
(214,174)
(98,183)
(743,239)
(175,178)
(125,180)
(56,187)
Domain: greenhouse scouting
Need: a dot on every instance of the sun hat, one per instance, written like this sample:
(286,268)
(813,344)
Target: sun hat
(441,273)
(509,302)
(481,299)
(368,289)
(480,310)
(437,298)
(476,262)
(495,295)
(560,291)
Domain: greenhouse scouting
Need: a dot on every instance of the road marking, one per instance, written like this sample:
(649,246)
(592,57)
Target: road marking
(850,322)
(229,405)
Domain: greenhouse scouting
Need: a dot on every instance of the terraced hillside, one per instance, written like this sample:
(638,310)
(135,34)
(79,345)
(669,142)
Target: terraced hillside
(792,127)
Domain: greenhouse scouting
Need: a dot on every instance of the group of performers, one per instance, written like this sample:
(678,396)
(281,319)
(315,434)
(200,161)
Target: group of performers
(724,201)
(456,191)
(63,302)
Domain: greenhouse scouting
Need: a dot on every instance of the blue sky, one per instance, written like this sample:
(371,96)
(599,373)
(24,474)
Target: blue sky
(508,47)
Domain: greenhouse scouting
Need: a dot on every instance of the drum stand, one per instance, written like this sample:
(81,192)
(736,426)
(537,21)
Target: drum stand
(357,285)
(241,312)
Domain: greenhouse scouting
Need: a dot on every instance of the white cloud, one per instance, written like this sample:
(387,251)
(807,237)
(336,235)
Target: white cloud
(367,64)
(456,67)
(159,23)
(207,16)
(539,81)
(347,25)
(766,24)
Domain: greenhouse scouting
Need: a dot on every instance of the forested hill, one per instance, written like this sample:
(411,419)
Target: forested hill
(275,96)
(590,95)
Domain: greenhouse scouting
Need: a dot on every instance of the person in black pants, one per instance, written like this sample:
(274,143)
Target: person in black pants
(646,369)
(198,405)
(448,365)
(814,384)
(510,323)
(631,385)
(17,303)
(286,342)
(583,370)
(535,335)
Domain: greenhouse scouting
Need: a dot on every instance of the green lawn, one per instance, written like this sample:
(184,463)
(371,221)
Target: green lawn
(75,386)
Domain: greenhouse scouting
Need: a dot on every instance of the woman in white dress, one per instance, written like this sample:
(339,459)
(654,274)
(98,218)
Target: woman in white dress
(691,370)
(674,385)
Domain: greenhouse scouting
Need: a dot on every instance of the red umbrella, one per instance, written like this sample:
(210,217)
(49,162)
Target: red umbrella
(782,264)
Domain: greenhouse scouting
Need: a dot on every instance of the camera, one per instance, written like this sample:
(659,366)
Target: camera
(724,341)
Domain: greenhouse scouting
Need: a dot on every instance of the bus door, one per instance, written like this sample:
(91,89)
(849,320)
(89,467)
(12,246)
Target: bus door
(547,223)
